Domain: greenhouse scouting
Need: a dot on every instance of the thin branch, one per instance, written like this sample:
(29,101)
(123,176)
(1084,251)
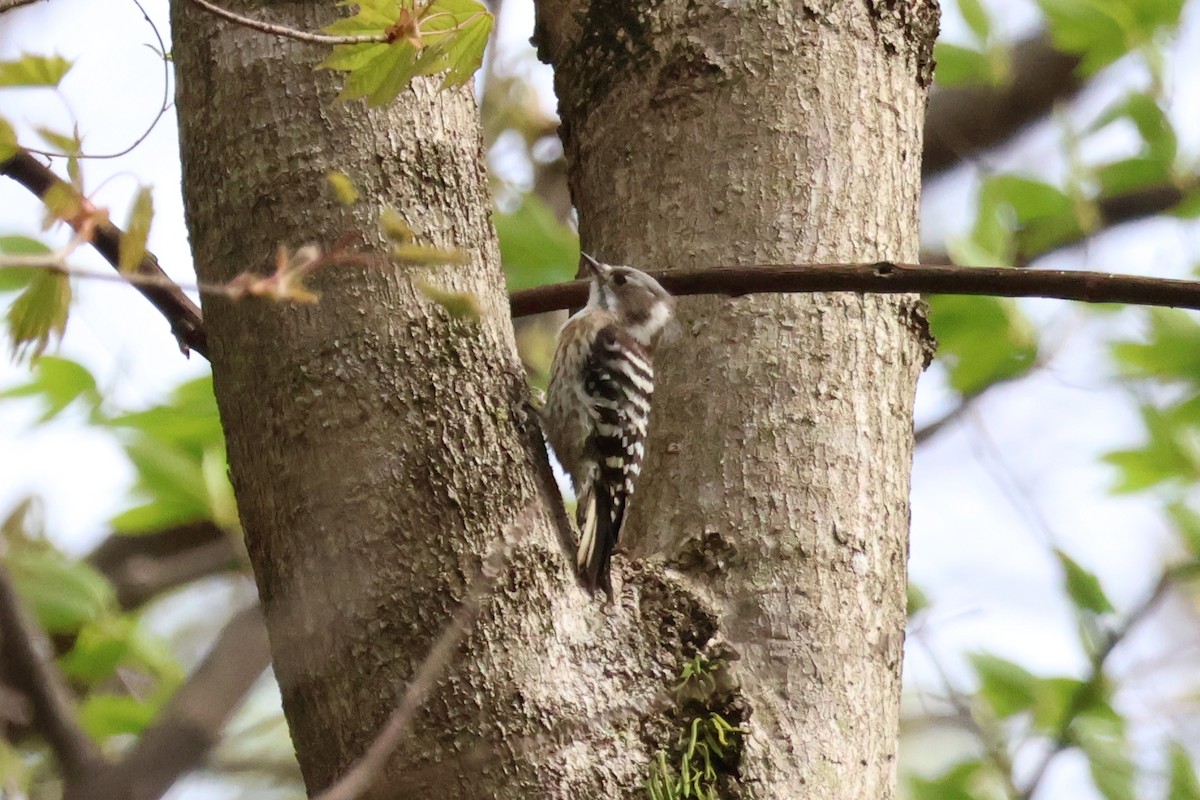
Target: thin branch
(187,323)
(192,721)
(363,773)
(963,120)
(929,430)
(29,669)
(881,277)
(891,278)
(989,738)
(144,566)
(292,33)
(1062,738)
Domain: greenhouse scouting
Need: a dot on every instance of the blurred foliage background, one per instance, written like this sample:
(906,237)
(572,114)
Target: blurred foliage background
(1053,635)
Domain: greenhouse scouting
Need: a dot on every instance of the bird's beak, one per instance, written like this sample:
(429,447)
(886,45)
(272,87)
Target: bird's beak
(597,270)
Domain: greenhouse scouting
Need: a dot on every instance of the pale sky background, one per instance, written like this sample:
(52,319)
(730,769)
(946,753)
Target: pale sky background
(989,495)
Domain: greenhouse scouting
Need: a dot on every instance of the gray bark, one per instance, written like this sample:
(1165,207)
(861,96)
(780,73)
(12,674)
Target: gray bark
(777,477)
(379,447)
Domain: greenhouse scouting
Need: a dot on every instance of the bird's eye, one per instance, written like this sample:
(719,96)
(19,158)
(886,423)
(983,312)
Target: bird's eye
(620,278)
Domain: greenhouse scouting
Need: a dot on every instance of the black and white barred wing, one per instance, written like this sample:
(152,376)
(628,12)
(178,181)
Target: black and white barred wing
(618,382)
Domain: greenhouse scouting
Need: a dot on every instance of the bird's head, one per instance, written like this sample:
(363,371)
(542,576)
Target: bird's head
(640,303)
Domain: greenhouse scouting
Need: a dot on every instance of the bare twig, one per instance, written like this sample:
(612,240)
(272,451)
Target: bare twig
(928,431)
(162,109)
(993,745)
(364,772)
(187,323)
(891,278)
(292,33)
(191,723)
(28,667)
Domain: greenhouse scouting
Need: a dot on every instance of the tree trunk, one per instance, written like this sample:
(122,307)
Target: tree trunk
(379,447)
(777,477)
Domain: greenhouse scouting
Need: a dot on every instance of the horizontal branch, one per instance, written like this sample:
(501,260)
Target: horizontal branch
(889,278)
(882,278)
(963,120)
(187,323)
(144,566)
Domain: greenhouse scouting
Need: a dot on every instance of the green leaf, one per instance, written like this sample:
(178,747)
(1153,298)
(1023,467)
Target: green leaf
(462,305)
(1187,521)
(1007,687)
(1102,31)
(1151,121)
(8,140)
(536,248)
(103,715)
(976,17)
(1155,162)
(1183,784)
(39,313)
(413,254)
(118,641)
(1036,214)
(445,36)
(981,340)
(67,143)
(1189,207)
(961,66)
(918,601)
(179,453)
(137,231)
(1102,740)
(1131,174)
(1054,696)
(459,30)
(343,187)
(64,595)
(1083,587)
(58,382)
(1171,349)
(32,70)
(188,420)
(15,279)
(98,649)
(961,782)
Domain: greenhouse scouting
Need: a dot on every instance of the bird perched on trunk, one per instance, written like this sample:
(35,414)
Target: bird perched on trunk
(598,403)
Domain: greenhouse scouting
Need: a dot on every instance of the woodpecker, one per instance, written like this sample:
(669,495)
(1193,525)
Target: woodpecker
(598,403)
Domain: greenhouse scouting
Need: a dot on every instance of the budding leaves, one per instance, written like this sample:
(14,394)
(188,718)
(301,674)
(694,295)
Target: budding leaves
(440,37)
(39,313)
(33,70)
(137,231)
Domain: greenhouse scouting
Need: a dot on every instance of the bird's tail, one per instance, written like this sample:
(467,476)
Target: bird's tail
(599,521)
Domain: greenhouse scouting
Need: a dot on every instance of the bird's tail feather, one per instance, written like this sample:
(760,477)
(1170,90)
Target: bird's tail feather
(598,531)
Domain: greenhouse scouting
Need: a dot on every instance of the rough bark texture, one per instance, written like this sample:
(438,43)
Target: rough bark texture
(379,447)
(778,474)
